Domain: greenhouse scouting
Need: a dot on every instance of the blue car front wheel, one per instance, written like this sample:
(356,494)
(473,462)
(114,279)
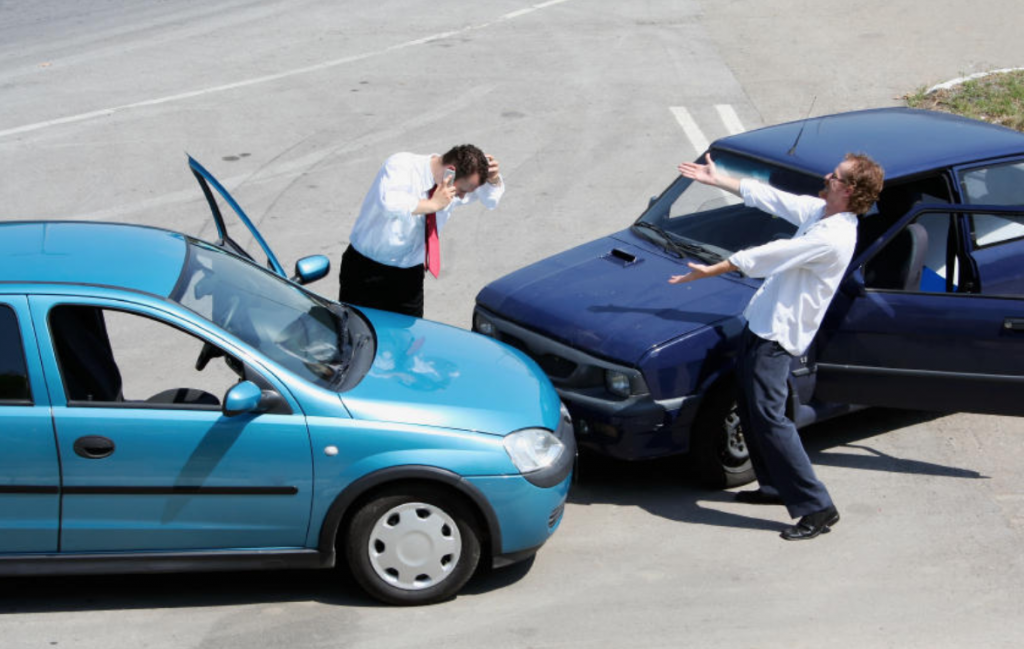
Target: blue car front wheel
(413,545)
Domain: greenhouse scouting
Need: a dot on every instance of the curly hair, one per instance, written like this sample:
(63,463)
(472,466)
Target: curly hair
(865,178)
(467,160)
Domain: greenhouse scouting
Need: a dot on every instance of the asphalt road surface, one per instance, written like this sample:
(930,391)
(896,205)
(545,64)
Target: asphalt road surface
(588,105)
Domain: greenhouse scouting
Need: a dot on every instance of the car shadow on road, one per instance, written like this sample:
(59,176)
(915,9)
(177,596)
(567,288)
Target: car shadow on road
(825,443)
(657,486)
(661,486)
(333,587)
(208,589)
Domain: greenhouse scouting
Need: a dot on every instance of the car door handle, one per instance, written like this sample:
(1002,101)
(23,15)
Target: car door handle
(94,447)
(1014,324)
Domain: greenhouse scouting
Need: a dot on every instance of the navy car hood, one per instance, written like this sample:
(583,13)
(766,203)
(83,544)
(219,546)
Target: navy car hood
(611,297)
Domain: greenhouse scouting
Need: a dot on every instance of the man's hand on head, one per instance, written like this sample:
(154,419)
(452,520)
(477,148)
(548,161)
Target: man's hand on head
(493,170)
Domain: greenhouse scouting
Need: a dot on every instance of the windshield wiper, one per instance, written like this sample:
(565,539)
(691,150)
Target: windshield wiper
(348,349)
(341,371)
(681,248)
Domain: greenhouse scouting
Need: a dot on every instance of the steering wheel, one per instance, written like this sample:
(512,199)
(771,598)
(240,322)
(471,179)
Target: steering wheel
(210,352)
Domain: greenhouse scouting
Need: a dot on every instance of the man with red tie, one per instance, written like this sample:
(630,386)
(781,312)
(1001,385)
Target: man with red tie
(395,239)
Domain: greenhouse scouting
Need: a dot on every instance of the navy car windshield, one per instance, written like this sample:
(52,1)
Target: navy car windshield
(323,342)
(710,223)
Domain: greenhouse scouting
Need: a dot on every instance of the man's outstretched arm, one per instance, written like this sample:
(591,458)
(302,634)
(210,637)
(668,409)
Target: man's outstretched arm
(708,174)
(700,271)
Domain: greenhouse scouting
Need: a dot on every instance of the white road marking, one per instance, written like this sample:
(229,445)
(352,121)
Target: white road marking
(730,118)
(696,136)
(690,128)
(542,5)
(959,80)
(270,77)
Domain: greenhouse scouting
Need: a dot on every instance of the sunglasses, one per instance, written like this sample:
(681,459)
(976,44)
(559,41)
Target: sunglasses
(833,175)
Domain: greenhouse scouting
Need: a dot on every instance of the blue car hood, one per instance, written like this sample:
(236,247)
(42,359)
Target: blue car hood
(433,374)
(611,297)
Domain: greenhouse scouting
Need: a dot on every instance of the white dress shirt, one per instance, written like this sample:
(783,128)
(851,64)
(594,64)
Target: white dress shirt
(802,273)
(387,231)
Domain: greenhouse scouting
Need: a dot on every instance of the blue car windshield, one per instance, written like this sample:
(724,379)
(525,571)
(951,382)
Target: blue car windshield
(318,340)
(708,222)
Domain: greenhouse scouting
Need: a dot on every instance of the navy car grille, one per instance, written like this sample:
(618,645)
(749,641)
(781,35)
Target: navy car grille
(553,365)
(556,366)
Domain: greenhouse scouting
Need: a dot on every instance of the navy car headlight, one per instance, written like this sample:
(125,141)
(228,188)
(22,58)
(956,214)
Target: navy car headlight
(617,383)
(533,449)
(484,326)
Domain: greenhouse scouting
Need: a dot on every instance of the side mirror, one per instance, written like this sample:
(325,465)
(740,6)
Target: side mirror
(650,203)
(309,269)
(242,398)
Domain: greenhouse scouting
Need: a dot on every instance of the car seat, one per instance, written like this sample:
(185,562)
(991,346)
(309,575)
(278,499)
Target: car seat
(900,263)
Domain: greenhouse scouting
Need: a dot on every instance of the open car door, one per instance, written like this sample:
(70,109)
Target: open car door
(307,269)
(948,335)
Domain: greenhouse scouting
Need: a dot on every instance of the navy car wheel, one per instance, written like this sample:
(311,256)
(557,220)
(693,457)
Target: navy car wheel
(718,456)
(413,545)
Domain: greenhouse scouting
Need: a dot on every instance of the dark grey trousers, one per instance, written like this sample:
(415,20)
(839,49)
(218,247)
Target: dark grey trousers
(776,452)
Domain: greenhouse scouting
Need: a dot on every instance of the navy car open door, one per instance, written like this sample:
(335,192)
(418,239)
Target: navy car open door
(947,335)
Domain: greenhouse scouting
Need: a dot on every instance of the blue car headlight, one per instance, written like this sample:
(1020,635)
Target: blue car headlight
(532,449)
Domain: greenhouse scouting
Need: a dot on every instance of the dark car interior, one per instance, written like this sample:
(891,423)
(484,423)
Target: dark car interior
(900,263)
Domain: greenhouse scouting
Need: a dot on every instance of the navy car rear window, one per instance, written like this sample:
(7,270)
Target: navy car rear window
(13,371)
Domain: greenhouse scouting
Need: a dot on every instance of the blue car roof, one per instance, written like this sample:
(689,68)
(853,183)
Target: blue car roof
(904,141)
(126,256)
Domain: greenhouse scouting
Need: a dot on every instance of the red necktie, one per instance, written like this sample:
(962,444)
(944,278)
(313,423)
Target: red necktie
(433,261)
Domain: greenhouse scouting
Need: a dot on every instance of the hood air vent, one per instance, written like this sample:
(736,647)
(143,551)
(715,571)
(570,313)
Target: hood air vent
(622,258)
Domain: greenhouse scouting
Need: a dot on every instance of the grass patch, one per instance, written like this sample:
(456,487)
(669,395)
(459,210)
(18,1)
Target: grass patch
(997,98)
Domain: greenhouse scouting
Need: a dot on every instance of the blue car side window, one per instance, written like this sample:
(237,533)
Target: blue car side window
(14,386)
(113,357)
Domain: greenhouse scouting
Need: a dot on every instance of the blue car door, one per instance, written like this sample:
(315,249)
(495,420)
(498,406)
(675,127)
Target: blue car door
(29,471)
(261,252)
(307,269)
(149,460)
(947,334)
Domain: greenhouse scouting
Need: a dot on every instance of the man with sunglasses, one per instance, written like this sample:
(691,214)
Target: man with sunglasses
(801,277)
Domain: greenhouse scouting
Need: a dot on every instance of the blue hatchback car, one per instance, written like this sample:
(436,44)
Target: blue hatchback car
(930,314)
(168,404)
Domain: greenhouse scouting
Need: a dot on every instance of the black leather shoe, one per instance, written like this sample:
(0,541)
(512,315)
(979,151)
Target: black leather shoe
(757,497)
(812,525)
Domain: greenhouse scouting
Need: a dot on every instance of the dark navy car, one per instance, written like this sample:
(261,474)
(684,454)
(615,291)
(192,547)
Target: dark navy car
(929,316)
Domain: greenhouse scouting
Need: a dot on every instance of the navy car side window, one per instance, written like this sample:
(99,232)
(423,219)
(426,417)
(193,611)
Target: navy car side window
(1001,184)
(14,385)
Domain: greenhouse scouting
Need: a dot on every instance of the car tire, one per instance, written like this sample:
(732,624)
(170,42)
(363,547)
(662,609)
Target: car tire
(413,545)
(718,456)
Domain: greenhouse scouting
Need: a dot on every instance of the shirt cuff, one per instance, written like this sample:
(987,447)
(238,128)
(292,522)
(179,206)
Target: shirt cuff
(490,194)
(741,261)
(745,190)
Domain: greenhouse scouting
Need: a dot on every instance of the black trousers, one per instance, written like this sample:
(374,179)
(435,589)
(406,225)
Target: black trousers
(776,452)
(365,282)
